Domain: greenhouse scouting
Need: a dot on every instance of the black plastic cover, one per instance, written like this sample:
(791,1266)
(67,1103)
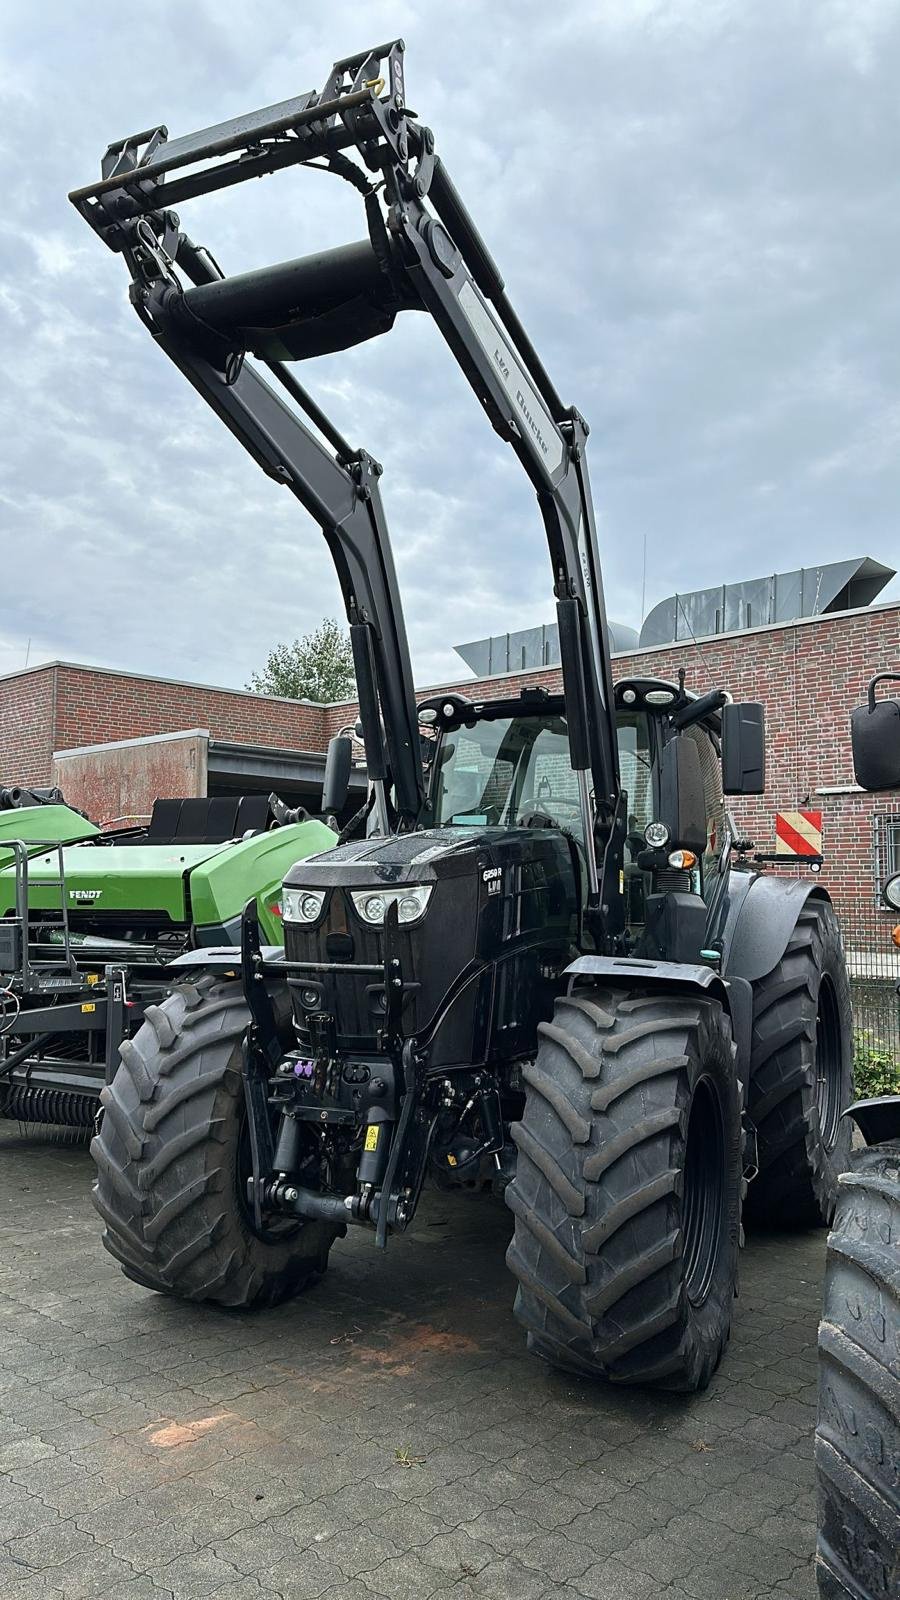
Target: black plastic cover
(682,803)
(875,735)
(744,748)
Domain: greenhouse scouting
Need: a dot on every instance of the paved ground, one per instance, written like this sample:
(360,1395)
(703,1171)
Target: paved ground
(387,1436)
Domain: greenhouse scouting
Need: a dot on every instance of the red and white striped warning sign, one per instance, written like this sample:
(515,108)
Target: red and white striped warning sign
(798,833)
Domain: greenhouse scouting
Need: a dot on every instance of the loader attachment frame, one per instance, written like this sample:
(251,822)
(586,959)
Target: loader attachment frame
(424,252)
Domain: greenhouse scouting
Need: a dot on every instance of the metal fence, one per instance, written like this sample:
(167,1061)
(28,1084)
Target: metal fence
(873,963)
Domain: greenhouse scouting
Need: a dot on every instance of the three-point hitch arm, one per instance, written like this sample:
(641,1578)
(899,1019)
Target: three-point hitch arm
(423,252)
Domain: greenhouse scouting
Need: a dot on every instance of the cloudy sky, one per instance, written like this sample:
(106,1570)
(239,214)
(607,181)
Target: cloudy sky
(695,206)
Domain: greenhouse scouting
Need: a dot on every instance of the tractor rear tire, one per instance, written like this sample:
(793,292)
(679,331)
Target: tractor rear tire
(801,1077)
(627,1191)
(858,1433)
(172,1158)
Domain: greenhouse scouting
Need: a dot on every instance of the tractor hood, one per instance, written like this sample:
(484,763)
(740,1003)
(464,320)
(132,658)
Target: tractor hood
(422,857)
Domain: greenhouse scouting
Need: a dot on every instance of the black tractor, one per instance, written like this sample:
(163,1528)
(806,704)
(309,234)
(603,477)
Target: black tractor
(541,960)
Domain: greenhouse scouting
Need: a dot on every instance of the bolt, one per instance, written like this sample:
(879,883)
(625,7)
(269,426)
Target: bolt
(291,1195)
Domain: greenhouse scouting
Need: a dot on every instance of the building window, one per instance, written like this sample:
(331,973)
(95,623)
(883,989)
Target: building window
(887,850)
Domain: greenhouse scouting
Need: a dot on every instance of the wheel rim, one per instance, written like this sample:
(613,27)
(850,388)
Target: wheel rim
(704,1191)
(828,1063)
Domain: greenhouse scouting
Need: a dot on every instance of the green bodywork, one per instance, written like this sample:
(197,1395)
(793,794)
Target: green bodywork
(203,886)
(44,823)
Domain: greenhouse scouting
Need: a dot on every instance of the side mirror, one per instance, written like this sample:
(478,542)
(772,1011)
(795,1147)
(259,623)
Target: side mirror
(682,804)
(336,783)
(744,748)
(875,735)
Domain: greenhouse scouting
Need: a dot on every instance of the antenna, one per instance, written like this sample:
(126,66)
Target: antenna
(700,656)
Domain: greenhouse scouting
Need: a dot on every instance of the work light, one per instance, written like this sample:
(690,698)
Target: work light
(301,905)
(411,902)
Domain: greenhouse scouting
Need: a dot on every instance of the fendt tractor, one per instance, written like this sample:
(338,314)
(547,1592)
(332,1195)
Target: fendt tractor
(858,1432)
(89,921)
(545,961)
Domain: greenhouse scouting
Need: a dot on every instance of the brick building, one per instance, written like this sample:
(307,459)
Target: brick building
(808,674)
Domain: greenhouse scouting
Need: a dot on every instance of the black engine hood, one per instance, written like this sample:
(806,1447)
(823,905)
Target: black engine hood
(423,857)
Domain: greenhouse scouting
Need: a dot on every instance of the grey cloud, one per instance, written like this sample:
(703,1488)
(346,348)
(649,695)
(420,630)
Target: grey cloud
(694,205)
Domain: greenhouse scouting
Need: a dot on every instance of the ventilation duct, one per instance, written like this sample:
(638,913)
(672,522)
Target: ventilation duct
(781,597)
(529,649)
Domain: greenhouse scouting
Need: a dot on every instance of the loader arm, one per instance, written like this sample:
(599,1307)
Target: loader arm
(423,252)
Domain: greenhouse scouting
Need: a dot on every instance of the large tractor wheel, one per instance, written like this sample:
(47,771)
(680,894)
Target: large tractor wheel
(801,1076)
(173,1158)
(627,1192)
(858,1433)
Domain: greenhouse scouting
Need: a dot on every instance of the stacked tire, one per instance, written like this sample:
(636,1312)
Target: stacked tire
(858,1433)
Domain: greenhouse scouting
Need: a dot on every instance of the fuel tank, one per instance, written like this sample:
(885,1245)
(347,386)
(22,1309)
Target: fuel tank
(499,905)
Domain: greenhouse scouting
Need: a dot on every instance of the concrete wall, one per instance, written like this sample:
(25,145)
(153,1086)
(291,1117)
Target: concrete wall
(118,782)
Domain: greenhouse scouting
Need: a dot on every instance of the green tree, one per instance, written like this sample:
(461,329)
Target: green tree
(317,667)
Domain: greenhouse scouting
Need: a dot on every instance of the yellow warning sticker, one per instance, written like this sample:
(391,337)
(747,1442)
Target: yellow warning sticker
(93,977)
(89,1005)
(372,1136)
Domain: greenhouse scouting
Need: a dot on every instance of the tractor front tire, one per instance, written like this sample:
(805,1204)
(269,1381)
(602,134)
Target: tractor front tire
(627,1191)
(801,1077)
(858,1433)
(172,1158)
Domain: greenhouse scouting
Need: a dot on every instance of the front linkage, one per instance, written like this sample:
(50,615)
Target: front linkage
(371,1121)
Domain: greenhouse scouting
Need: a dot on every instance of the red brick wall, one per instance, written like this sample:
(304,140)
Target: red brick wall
(807,676)
(26,727)
(93,707)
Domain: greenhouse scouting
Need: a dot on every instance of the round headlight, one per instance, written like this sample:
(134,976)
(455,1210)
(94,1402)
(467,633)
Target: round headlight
(374,908)
(301,905)
(409,908)
(656,835)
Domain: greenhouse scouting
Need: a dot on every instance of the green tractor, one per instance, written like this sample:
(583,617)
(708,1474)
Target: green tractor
(90,921)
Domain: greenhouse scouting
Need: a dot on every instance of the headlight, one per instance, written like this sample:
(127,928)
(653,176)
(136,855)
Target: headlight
(656,835)
(372,904)
(301,905)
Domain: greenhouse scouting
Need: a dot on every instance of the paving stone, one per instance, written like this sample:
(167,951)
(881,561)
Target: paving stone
(533,1484)
(611,1580)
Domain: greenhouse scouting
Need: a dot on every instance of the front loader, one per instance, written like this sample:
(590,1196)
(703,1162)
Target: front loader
(543,962)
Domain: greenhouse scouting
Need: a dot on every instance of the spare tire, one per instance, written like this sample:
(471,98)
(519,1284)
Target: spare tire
(858,1432)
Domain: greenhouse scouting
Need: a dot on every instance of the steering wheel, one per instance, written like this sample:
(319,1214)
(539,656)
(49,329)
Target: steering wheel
(536,819)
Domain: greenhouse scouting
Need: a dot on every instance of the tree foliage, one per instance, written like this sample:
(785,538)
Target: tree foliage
(317,667)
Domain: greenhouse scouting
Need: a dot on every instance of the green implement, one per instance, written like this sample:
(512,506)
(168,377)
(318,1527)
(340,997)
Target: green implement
(90,922)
